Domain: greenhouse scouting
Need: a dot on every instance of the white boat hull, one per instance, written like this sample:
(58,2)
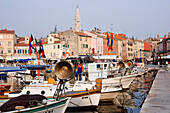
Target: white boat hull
(84,101)
(124,80)
(50,107)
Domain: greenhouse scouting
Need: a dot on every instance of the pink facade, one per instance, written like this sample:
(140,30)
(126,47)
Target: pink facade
(93,40)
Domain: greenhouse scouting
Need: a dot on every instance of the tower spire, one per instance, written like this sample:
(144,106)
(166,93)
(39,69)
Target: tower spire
(77,20)
(55,29)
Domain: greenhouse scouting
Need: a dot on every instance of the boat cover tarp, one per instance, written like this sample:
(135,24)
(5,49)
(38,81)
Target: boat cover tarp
(23,100)
(35,67)
(11,69)
(22,60)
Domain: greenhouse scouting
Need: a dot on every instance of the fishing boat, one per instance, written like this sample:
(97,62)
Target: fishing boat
(39,103)
(34,103)
(9,80)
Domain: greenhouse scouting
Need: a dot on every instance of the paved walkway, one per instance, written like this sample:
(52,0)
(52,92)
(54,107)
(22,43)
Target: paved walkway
(158,99)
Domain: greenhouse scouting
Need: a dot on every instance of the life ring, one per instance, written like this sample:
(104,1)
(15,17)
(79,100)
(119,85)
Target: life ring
(66,54)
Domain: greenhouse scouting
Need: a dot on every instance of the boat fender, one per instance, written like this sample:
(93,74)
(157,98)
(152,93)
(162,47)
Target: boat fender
(44,101)
(42,92)
(28,92)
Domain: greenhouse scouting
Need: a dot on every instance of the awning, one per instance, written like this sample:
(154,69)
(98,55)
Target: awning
(11,69)
(19,57)
(35,67)
(22,60)
(105,57)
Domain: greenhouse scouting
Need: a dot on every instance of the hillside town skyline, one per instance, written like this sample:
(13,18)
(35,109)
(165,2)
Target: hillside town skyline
(149,18)
(83,42)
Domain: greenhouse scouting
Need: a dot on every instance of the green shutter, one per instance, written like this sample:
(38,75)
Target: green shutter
(68,45)
(86,45)
(18,51)
(22,51)
(14,51)
(26,51)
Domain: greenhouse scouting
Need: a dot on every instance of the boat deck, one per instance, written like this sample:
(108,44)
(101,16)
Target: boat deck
(158,99)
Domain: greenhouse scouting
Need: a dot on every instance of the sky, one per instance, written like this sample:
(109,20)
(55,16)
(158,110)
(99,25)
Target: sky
(137,18)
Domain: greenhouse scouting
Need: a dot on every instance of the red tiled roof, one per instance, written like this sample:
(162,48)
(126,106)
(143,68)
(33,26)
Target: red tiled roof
(45,42)
(7,31)
(56,41)
(82,34)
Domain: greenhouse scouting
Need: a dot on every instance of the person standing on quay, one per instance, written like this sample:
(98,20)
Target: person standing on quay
(79,72)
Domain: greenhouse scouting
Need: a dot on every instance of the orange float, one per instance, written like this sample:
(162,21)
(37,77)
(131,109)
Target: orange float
(66,54)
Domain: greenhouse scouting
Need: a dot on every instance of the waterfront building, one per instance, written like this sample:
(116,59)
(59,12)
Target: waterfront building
(78,43)
(93,42)
(154,47)
(7,40)
(147,50)
(139,49)
(123,38)
(120,48)
(84,43)
(52,47)
(115,45)
(21,49)
(130,49)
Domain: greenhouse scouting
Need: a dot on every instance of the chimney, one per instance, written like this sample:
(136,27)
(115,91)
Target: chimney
(81,30)
(95,29)
(158,37)
(164,37)
(70,28)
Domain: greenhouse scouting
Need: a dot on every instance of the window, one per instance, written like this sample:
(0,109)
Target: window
(63,45)
(9,51)
(26,51)
(9,43)
(1,43)
(80,38)
(22,51)
(72,53)
(68,45)
(51,54)
(9,36)
(1,36)
(54,54)
(15,51)
(2,51)
(18,50)
(86,45)
(50,40)
(86,39)
(54,47)
(98,66)
(58,46)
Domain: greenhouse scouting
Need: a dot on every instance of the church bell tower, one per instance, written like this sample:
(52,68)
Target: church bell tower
(77,20)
